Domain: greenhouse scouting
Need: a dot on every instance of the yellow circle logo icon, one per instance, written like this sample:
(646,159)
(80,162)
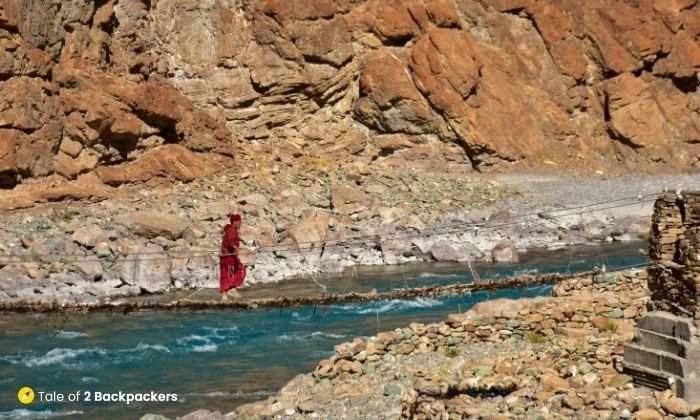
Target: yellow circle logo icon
(25,395)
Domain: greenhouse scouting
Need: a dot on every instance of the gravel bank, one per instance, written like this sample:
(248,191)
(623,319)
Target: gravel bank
(576,190)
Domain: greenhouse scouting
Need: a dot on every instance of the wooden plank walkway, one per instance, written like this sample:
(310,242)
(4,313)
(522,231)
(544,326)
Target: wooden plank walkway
(131,305)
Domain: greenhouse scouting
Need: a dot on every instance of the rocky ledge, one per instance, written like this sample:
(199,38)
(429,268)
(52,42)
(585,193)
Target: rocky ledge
(547,357)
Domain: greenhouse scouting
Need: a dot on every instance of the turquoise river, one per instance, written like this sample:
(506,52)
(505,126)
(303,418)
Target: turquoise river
(220,359)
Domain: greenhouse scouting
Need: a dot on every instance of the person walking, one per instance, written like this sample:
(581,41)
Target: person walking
(232,271)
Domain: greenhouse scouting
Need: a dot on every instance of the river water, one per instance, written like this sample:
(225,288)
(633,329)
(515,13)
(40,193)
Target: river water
(221,359)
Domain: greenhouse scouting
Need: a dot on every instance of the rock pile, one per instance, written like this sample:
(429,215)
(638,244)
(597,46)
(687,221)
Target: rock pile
(666,350)
(674,246)
(529,358)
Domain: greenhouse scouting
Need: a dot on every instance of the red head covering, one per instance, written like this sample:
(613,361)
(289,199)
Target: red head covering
(235,217)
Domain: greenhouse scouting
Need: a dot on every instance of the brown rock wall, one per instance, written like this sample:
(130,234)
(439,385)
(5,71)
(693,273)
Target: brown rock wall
(512,84)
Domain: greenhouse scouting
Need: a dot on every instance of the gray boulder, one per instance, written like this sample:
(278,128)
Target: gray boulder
(203,414)
(397,251)
(153,417)
(147,267)
(151,224)
(445,251)
(90,269)
(89,236)
(505,251)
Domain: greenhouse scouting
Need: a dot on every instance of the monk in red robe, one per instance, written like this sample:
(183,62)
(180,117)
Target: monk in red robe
(232,271)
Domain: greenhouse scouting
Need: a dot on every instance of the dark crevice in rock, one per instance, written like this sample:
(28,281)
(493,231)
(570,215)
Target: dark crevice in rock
(9,28)
(278,88)
(514,11)
(595,55)
(170,135)
(108,26)
(136,70)
(123,146)
(326,18)
(606,109)
(411,13)
(384,153)
(609,73)
(398,41)
(648,66)
(165,124)
(108,55)
(12,177)
(8,180)
(471,154)
(680,203)
(91,21)
(312,59)
(319,99)
(258,87)
(25,130)
(687,84)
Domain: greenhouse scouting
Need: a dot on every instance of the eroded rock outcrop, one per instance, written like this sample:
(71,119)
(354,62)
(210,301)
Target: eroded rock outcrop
(73,100)
(466,84)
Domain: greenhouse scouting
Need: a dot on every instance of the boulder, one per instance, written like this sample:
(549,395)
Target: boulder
(505,251)
(169,162)
(675,406)
(396,251)
(310,231)
(348,200)
(147,267)
(203,414)
(257,199)
(150,224)
(90,268)
(89,236)
(194,232)
(500,308)
(446,251)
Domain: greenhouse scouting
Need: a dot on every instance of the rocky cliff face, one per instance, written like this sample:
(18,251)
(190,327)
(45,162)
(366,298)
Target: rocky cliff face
(132,90)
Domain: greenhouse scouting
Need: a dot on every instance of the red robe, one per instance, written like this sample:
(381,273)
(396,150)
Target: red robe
(232,272)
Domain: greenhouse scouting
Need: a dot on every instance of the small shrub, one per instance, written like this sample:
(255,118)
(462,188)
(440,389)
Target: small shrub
(611,326)
(68,215)
(452,351)
(535,338)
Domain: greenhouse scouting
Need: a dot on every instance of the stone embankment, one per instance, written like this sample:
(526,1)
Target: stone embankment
(547,357)
(164,239)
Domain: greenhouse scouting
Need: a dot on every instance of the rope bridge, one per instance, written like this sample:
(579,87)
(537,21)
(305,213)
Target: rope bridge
(127,306)
(131,305)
